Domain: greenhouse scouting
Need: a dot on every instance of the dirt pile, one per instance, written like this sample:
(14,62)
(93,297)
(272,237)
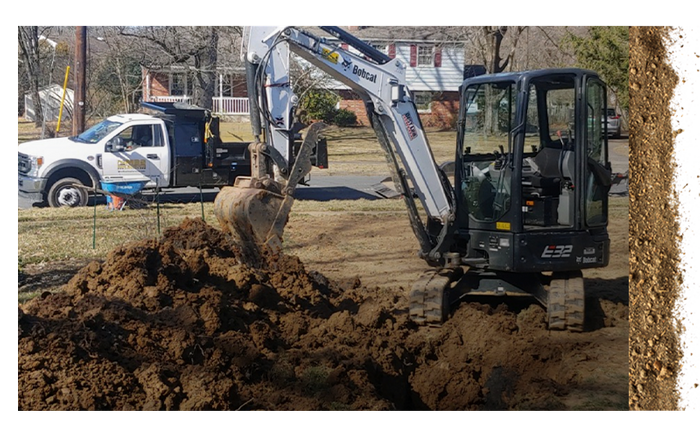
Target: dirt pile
(181,324)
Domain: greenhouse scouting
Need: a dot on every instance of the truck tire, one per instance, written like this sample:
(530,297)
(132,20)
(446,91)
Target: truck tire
(64,193)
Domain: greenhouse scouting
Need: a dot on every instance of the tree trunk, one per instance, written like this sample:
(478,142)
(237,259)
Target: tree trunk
(205,72)
(496,40)
(29,44)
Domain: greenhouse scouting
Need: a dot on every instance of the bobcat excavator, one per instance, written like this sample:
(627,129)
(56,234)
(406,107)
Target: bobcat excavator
(523,210)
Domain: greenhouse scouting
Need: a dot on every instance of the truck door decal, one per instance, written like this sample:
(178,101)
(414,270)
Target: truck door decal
(146,154)
(131,165)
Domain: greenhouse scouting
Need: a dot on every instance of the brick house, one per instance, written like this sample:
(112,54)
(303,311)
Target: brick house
(173,84)
(436,69)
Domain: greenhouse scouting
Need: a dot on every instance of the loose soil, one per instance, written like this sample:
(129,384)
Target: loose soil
(182,323)
(654,234)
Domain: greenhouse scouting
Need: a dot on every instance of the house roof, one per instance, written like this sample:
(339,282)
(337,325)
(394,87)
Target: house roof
(433,34)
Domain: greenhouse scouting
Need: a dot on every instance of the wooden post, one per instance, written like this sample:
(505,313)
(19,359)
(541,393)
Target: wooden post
(80,59)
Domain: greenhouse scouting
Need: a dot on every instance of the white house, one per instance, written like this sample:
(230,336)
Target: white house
(50,103)
(436,69)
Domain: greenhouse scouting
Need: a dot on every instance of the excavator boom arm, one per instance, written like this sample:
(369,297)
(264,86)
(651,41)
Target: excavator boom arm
(380,82)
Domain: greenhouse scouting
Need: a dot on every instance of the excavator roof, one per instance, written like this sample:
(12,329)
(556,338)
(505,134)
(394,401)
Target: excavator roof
(530,74)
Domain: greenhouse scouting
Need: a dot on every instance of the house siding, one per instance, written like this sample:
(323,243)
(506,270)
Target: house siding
(443,110)
(159,84)
(447,77)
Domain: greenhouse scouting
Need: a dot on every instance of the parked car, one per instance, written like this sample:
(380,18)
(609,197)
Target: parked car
(614,123)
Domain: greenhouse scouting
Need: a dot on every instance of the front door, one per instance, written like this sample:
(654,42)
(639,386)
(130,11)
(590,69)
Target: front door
(136,153)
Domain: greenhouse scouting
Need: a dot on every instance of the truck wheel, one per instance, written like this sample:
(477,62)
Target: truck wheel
(64,193)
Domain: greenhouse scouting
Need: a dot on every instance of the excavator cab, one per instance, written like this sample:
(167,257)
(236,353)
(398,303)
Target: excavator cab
(531,181)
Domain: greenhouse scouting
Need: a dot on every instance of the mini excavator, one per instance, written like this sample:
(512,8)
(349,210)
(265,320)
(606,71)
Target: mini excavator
(522,210)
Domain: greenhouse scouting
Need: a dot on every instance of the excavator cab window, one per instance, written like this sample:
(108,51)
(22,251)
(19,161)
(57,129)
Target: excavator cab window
(533,120)
(488,134)
(596,182)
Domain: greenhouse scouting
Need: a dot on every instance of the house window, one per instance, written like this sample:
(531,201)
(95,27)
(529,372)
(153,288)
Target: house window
(179,84)
(423,101)
(425,56)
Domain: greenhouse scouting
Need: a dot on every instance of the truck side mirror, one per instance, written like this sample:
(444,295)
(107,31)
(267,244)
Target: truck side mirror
(115,145)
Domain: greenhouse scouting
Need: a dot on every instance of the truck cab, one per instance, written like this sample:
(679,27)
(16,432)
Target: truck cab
(178,146)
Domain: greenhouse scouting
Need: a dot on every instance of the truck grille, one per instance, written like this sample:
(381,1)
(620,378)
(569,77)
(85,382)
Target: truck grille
(24,164)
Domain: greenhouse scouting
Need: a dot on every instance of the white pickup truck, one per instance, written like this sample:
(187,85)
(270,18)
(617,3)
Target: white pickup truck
(179,146)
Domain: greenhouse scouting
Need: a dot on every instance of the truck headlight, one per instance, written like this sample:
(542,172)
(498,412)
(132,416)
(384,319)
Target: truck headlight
(35,164)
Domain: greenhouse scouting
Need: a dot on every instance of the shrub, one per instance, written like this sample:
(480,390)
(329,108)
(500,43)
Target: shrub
(319,105)
(345,117)
(322,105)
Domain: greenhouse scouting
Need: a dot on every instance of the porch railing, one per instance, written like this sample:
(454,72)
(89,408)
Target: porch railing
(221,105)
(230,105)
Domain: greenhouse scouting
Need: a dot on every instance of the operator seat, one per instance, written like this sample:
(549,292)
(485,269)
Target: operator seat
(546,177)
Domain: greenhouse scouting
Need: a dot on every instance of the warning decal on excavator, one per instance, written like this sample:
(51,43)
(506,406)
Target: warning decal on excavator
(330,55)
(410,126)
(503,226)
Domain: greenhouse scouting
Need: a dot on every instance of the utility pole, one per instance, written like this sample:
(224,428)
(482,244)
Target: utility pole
(80,59)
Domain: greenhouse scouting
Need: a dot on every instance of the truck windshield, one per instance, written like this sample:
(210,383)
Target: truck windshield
(97,132)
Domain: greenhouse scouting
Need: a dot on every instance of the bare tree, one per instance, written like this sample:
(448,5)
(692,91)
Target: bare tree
(494,47)
(195,48)
(515,48)
(42,54)
(205,70)
(28,37)
(116,78)
(492,41)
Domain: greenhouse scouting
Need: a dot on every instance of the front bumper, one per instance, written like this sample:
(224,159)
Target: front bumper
(28,185)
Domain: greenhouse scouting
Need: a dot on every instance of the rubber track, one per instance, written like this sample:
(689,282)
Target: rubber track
(428,302)
(566,303)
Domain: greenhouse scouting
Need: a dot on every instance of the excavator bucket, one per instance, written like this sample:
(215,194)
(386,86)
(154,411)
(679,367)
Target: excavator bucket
(256,209)
(254,212)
